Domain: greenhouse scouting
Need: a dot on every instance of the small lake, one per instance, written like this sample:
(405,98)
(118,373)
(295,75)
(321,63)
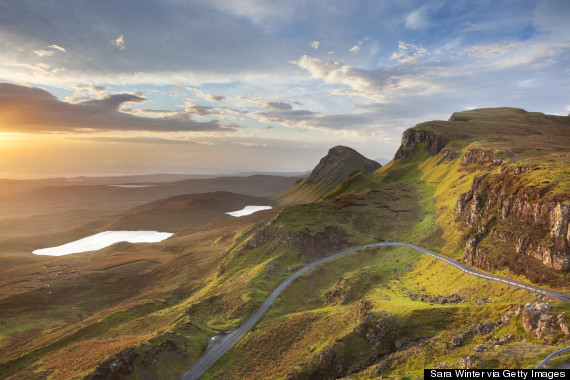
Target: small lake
(247,210)
(102,240)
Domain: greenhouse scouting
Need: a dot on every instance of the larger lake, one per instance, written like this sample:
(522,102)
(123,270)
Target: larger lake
(102,240)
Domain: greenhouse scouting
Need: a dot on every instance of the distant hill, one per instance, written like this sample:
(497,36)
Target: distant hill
(58,199)
(184,211)
(329,173)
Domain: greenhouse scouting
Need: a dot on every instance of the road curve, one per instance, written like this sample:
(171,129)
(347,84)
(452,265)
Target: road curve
(220,344)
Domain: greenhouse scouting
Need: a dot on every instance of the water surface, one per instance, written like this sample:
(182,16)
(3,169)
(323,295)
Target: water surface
(248,210)
(102,240)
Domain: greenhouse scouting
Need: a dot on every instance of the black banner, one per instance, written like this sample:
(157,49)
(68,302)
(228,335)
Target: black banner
(525,374)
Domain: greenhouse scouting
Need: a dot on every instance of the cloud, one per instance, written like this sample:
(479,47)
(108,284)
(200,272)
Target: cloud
(289,118)
(378,84)
(204,95)
(119,42)
(90,87)
(511,54)
(315,45)
(85,92)
(270,105)
(356,47)
(43,53)
(190,109)
(34,110)
(215,98)
(138,140)
(54,46)
(409,53)
(38,69)
(417,19)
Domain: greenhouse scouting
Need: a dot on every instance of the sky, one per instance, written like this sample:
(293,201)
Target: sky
(222,86)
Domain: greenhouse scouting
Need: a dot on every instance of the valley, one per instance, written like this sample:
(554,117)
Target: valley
(488,190)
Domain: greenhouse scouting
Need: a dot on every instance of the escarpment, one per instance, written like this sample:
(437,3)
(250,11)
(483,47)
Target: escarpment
(413,137)
(506,219)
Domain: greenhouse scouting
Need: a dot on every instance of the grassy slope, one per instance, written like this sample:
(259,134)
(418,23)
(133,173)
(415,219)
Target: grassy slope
(407,200)
(339,163)
(303,312)
(103,302)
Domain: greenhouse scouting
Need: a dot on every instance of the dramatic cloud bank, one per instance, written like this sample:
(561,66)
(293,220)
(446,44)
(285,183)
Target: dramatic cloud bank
(250,75)
(34,110)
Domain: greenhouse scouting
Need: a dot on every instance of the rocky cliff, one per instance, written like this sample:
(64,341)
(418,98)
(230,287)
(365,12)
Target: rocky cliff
(513,219)
(515,214)
(414,137)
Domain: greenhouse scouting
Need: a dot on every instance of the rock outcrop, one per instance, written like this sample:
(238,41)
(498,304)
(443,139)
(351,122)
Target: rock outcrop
(484,328)
(442,300)
(137,362)
(543,325)
(523,220)
(458,340)
(332,237)
(480,157)
(311,246)
(414,137)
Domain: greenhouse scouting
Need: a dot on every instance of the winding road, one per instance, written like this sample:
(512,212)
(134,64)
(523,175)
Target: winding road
(220,344)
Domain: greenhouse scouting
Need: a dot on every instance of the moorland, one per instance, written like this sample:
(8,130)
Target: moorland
(488,187)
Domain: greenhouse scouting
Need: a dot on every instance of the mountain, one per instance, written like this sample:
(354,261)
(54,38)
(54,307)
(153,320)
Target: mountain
(332,169)
(488,187)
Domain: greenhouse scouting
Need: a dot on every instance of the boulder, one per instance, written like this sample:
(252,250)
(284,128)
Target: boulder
(546,326)
(542,306)
(484,328)
(467,362)
(530,317)
(458,340)
(481,348)
(562,323)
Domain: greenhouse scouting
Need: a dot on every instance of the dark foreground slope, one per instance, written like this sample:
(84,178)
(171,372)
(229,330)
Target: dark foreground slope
(385,311)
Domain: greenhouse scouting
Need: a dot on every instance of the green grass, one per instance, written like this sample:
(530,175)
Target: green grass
(321,313)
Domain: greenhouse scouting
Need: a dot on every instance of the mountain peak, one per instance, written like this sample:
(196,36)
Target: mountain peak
(339,162)
(331,170)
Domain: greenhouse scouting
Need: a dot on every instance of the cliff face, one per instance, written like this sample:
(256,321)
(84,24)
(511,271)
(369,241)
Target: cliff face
(514,218)
(510,216)
(413,137)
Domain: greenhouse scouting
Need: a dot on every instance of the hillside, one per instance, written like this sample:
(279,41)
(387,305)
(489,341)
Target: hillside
(471,188)
(109,197)
(502,182)
(332,169)
(184,211)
